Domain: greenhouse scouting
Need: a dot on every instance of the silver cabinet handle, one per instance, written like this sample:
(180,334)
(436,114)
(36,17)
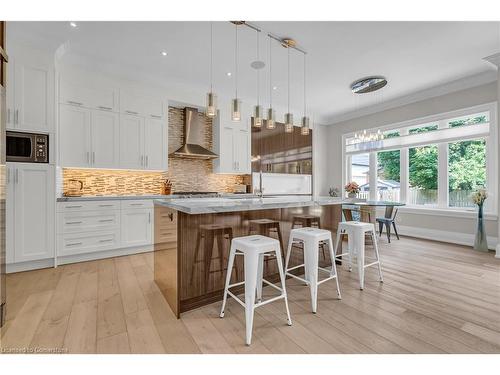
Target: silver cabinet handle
(155,116)
(16,117)
(73,206)
(73,102)
(8,115)
(147,161)
(74,244)
(149,217)
(105,220)
(142,160)
(137,204)
(105,108)
(88,157)
(74,222)
(131,112)
(17,176)
(8,175)
(93,157)
(105,205)
(108,240)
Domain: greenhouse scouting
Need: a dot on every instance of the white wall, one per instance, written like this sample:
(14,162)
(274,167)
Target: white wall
(453,229)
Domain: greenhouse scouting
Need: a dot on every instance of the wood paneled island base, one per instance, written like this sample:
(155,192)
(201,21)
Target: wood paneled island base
(191,250)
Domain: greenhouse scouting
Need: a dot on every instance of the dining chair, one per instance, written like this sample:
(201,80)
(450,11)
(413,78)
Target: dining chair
(388,220)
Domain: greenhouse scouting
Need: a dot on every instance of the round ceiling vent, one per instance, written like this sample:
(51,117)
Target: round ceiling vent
(368,84)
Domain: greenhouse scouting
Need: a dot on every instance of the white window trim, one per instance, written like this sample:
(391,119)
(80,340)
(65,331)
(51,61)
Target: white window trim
(442,206)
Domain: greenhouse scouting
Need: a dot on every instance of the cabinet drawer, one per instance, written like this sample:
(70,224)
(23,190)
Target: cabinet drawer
(146,203)
(87,206)
(70,244)
(71,222)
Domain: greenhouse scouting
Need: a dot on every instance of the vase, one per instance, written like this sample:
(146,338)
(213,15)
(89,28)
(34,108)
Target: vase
(480,242)
(351,195)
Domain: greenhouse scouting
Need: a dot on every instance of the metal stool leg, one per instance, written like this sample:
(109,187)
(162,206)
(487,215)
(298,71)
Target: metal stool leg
(378,258)
(283,286)
(230,264)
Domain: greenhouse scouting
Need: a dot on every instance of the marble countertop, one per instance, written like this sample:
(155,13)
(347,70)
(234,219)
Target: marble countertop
(223,204)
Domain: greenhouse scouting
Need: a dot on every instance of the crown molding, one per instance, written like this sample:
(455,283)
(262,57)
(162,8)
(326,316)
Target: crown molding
(447,88)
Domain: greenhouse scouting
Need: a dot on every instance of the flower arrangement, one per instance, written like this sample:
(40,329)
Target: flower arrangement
(352,188)
(479,197)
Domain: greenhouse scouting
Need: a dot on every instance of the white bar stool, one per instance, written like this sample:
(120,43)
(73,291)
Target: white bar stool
(355,231)
(254,248)
(311,238)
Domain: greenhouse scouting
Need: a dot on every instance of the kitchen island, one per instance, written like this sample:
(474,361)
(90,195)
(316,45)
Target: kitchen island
(192,239)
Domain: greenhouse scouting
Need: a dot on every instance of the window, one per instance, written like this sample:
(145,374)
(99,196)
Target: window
(437,162)
(389,172)
(466,171)
(423,175)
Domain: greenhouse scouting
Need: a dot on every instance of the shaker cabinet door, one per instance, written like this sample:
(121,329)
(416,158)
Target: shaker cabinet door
(136,227)
(34,91)
(155,144)
(105,139)
(74,136)
(132,142)
(34,212)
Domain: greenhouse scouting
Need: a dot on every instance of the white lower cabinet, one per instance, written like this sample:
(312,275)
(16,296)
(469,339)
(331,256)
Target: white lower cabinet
(96,226)
(136,227)
(30,212)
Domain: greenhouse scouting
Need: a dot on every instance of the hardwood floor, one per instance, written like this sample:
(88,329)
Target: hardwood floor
(436,298)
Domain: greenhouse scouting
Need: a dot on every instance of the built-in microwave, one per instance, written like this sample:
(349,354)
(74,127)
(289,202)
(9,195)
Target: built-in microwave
(27,147)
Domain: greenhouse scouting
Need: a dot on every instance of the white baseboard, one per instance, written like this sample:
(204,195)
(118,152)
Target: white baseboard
(103,254)
(466,239)
(28,266)
(51,262)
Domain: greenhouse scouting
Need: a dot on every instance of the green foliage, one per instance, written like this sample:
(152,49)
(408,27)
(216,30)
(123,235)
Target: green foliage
(467,161)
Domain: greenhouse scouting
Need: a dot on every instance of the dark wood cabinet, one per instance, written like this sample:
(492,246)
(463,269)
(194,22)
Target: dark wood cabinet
(274,151)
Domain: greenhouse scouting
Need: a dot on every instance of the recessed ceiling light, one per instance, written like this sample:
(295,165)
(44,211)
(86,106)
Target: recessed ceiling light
(275,88)
(228,74)
(73,24)
(164,53)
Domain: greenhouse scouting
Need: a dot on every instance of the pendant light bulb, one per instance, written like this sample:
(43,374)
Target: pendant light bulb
(270,122)
(257,116)
(236,103)
(304,129)
(211,104)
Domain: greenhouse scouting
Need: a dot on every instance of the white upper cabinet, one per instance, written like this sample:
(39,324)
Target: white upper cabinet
(74,136)
(132,142)
(149,107)
(88,137)
(105,99)
(232,144)
(155,144)
(30,95)
(105,139)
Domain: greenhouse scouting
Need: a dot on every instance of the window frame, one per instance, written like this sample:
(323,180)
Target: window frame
(443,189)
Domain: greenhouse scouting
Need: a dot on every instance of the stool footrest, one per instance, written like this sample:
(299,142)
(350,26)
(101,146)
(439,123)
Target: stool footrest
(296,277)
(327,279)
(295,267)
(371,264)
(235,284)
(272,285)
(324,270)
(236,298)
(262,303)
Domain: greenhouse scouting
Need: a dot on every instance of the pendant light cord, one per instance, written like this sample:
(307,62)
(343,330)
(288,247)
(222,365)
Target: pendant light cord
(211,55)
(270,74)
(304,85)
(236,58)
(258,72)
(288,79)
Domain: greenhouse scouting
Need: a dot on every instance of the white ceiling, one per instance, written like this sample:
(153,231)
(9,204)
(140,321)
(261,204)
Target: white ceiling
(414,56)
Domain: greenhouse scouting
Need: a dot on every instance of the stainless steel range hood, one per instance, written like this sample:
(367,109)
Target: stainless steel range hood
(193,138)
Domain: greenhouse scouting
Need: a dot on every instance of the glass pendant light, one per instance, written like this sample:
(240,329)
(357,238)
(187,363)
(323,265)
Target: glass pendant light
(270,123)
(236,103)
(211,105)
(288,115)
(304,129)
(257,113)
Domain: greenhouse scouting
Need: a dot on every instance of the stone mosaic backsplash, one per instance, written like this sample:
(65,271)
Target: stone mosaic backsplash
(185,174)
